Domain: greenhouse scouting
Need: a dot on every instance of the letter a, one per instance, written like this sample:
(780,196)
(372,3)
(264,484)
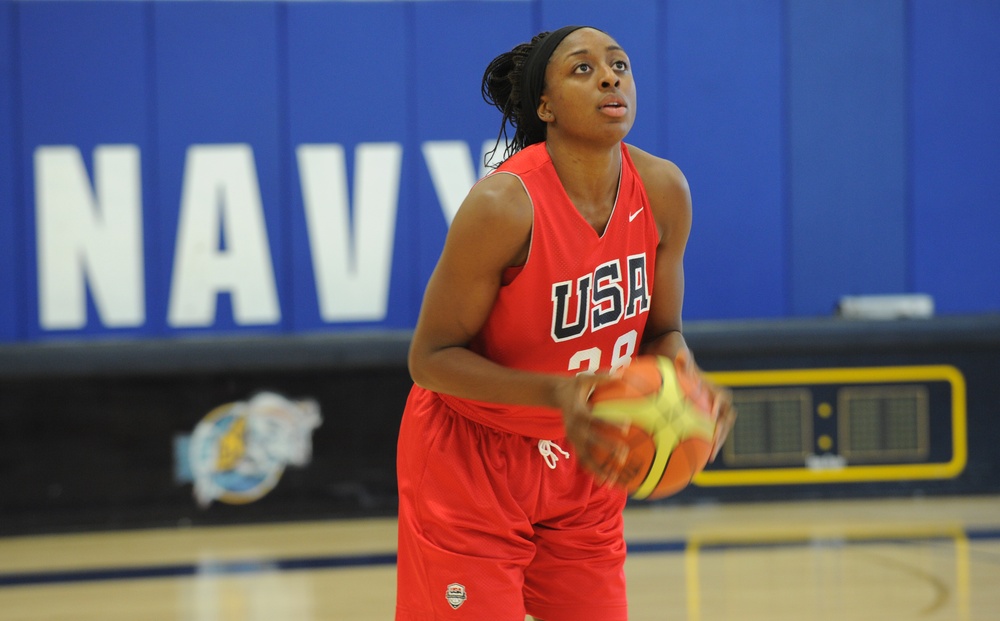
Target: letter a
(221,199)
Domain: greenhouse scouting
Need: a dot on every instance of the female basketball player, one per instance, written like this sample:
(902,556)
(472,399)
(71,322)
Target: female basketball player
(559,267)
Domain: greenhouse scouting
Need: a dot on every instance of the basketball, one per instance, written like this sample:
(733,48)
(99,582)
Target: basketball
(664,417)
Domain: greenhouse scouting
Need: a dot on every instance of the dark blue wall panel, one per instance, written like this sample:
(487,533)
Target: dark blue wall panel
(448,104)
(83,68)
(847,128)
(833,147)
(347,87)
(216,67)
(724,105)
(956,157)
(8,224)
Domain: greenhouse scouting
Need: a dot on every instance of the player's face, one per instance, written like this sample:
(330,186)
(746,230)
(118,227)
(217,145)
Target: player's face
(589,88)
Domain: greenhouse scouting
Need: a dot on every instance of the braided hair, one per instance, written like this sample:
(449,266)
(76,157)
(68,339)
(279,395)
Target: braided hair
(501,88)
(513,83)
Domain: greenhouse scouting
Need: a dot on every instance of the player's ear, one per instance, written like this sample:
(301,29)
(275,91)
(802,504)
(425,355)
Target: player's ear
(545,111)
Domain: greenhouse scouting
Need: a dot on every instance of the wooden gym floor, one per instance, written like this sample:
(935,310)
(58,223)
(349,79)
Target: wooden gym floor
(882,560)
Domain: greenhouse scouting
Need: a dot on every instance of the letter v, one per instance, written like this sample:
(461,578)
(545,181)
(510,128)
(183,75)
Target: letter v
(352,257)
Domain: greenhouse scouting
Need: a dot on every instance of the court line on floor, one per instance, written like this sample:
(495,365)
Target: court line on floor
(226,568)
(214,568)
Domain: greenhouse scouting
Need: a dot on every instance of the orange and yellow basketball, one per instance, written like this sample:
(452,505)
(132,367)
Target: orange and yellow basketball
(659,410)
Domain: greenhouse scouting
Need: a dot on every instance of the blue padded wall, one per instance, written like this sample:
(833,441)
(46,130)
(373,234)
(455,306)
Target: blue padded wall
(724,127)
(90,88)
(833,147)
(955,76)
(447,105)
(216,68)
(9,241)
(345,87)
(847,157)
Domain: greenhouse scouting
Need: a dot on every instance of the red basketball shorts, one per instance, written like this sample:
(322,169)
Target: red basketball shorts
(488,531)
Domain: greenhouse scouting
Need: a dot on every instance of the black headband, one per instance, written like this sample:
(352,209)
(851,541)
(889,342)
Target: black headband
(533,76)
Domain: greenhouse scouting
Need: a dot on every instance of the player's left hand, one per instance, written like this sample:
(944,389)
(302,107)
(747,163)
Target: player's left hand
(708,395)
(724,413)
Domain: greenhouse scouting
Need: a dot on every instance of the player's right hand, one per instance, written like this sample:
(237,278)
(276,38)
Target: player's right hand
(573,396)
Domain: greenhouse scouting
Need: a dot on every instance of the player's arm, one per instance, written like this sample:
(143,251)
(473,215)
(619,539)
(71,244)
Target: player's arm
(490,232)
(670,199)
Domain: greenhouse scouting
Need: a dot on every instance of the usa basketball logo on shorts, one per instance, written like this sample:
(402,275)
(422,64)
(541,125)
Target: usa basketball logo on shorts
(455,595)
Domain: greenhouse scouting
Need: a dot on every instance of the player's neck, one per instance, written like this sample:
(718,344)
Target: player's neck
(588,174)
(590,178)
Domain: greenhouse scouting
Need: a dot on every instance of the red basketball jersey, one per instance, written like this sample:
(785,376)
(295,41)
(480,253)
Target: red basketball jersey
(580,301)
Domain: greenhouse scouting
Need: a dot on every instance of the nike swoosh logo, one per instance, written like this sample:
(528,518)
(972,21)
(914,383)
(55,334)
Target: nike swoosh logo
(635,214)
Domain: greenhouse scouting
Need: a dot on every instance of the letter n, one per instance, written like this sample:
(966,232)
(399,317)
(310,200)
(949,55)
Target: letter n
(89,237)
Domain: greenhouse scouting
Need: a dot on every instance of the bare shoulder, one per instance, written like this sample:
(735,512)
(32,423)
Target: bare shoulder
(660,176)
(667,189)
(496,218)
(498,196)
